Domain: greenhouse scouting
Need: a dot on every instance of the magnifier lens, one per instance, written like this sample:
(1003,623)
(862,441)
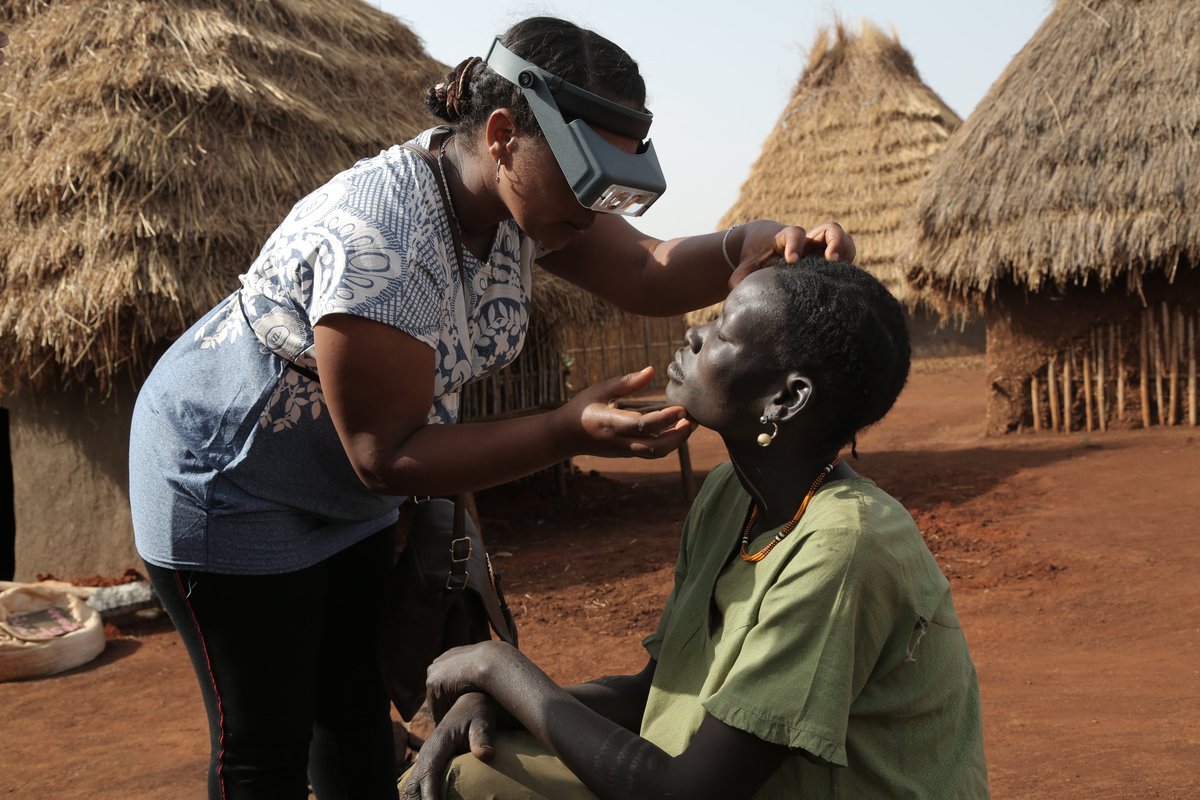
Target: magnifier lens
(623,200)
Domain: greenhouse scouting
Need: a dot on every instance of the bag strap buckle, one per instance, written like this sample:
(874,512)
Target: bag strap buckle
(460,554)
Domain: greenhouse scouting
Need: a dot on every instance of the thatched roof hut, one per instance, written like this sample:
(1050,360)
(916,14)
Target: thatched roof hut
(1067,201)
(1080,165)
(852,145)
(147,148)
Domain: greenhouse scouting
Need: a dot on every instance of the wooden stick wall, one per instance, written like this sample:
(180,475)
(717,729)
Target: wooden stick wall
(627,344)
(537,378)
(1139,372)
(534,380)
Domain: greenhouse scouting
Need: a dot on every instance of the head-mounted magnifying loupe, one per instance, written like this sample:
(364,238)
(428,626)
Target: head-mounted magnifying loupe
(604,177)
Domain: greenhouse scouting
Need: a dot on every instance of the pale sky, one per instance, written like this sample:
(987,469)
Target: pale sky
(718,75)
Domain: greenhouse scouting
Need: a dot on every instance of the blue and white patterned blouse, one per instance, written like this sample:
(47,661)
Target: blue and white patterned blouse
(234,465)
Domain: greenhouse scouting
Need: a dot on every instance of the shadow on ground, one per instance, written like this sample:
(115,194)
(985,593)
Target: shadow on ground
(633,518)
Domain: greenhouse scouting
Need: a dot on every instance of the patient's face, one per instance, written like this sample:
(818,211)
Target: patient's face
(725,371)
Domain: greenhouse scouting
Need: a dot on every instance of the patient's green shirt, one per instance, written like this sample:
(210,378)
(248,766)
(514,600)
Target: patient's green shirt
(842,644)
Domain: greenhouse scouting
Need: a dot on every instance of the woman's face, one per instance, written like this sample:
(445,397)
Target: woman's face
(727,370)
(539,197)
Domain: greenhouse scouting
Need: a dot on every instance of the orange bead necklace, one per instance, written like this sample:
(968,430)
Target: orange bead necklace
(753,558)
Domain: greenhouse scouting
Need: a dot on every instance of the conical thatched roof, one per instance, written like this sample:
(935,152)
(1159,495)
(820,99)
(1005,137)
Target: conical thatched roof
(852,145)
(1081,164)
(148,147)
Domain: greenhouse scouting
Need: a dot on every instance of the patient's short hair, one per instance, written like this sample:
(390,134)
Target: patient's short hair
(848,334)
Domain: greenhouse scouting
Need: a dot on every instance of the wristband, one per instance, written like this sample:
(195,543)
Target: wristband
(725,249)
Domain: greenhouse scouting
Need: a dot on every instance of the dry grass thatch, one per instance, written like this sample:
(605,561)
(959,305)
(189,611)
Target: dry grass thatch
(852,145)
(560,303)
(148,147)
(1081,164)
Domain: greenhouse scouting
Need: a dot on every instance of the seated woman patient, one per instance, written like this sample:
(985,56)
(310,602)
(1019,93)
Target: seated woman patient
(809,648)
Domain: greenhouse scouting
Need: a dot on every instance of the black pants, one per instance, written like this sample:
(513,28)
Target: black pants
(288,671)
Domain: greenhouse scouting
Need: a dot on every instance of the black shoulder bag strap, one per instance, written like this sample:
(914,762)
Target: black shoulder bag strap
(494,602)
(439,139)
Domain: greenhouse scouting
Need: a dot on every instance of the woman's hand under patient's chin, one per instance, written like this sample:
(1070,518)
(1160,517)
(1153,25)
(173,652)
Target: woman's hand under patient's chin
(595,426)
(673,399)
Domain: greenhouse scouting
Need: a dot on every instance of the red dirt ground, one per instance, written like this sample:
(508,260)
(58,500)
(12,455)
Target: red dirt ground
(1075,562)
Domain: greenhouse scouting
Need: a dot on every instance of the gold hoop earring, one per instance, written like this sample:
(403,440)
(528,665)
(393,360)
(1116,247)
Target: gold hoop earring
(765,439)
(497,171)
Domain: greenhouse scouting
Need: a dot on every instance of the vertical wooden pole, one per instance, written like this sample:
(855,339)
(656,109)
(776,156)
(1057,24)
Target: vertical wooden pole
(1170,355)
(1144,368)
(1052,388)
(1089,422)
(510,394)
(496,406)
(1172,345)
(1035,396)
(1119,360)
(1156,344)
(508,397)
(1191,349)
(1101,379)
(557,358)
(646,342)
(603,354)
(520,387)
(1068,395)
(622,356)
(549,363)
(524,383)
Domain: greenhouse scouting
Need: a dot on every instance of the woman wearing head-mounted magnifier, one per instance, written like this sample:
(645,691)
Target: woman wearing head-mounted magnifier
(274,441)
(556,131)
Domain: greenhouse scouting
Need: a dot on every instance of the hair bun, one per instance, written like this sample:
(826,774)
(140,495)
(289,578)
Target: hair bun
(451,98)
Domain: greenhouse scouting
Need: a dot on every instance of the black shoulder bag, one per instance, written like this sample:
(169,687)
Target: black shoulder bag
(443,591)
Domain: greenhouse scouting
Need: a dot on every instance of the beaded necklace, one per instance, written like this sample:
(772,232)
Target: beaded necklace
(753,558)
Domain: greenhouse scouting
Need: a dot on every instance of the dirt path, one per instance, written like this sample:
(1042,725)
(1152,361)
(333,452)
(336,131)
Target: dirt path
(1075,560)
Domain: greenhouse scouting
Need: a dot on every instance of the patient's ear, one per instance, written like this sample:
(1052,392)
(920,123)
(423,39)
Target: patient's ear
(791,399)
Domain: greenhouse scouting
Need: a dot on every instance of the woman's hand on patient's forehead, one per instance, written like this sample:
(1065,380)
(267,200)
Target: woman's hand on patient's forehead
(763,242)
(599,428)
(830,242)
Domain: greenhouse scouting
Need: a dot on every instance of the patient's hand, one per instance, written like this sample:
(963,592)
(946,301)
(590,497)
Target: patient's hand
(468,725)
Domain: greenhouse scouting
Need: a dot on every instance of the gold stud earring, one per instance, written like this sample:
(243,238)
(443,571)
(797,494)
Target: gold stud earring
(765,439)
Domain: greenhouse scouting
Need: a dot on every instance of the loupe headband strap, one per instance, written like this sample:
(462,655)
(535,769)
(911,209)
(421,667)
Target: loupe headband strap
(572,101)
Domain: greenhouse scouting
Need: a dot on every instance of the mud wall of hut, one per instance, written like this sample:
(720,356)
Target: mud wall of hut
(932,336)
(1087,359)
(70,457)
(8,516)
